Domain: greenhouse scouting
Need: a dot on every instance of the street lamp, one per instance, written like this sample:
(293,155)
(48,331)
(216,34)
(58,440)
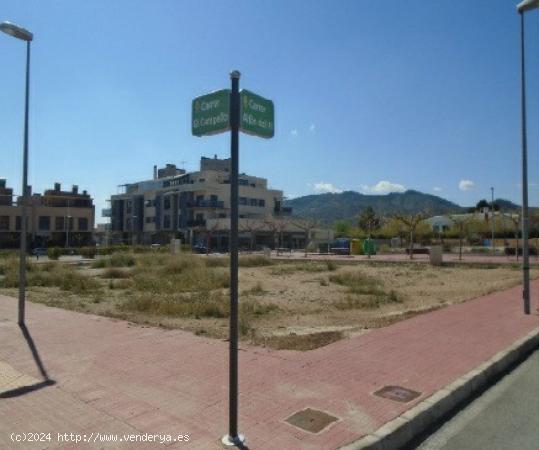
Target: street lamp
(25,35)
(522,7)
(492,219)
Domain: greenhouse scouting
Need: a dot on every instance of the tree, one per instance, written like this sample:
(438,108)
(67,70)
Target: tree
(485,204)
(368,221)
(482,204)
(276,226)
(515,221)
(306,225)
(342,228)
(209,231)
(411,222)
(251,226)
(462,224)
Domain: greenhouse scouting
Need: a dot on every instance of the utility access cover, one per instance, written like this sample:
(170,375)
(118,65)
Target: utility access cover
(311,420)
(397,393)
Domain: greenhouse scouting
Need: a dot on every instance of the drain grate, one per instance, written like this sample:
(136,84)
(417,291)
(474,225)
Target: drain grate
(397,393)
(311,420)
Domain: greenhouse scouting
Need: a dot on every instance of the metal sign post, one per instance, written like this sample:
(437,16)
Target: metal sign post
(233,438)
(220,111)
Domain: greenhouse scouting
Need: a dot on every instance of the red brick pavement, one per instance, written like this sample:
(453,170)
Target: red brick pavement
(115,377)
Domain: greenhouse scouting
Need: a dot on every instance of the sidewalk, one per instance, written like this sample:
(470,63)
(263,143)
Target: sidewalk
(401,257)
(114,377)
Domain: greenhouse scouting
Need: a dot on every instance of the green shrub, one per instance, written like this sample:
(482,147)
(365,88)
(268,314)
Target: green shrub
(54,253)
(88,252)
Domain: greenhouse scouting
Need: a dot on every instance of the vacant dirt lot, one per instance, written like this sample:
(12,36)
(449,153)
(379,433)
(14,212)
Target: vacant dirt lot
(296,304)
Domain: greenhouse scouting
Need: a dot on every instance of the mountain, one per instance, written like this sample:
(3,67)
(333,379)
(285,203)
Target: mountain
(349,204)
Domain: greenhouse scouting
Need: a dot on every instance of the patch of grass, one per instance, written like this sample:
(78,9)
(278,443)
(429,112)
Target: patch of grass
(214,261)
(200,304)
(115,260)
(257,289)
(307,266)
(116,273)
(301,342)
(254,261)
(364,291)
(331,265)
(255,308)
(66,278)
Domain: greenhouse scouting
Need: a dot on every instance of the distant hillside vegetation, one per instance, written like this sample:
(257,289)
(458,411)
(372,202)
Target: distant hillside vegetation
(348,205)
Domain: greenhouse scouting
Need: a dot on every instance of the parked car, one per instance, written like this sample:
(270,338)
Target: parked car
(341,246)
(199,248)
(39,251)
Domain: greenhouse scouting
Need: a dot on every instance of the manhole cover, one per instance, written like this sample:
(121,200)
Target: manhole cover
(397,393)
(311,420)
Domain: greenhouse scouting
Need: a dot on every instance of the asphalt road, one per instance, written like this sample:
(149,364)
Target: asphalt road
(506,417)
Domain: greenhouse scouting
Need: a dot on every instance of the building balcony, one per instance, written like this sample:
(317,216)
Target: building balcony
(206,204)
(196,223)
(283,211)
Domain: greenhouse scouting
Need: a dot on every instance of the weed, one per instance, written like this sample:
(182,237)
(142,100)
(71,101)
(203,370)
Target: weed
(364,291)
(254,261)
(114,272)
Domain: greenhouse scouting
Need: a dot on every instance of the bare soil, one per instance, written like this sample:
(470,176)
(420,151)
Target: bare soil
(309,304)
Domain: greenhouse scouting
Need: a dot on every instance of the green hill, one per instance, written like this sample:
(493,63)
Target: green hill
(349,204)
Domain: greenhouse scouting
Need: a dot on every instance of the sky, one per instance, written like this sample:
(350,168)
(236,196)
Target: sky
(370,96)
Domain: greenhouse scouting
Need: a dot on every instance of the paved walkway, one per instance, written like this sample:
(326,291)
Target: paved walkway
(114,377)
(401,257)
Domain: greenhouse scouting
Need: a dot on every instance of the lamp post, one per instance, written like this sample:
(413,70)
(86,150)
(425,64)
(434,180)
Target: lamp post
(492,220)
(522,7)
(67,225)
(25,35)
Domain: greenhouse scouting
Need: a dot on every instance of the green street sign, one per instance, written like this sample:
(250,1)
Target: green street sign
(257,116)
(211,113)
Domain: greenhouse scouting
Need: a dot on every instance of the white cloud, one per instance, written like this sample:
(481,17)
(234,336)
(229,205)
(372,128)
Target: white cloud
(466,185)
(312,128)
(323,187)
(382,187)
(437,189)
(294,132)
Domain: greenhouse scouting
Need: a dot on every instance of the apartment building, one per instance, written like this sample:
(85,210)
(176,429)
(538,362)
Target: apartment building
(195,207)
(55,218)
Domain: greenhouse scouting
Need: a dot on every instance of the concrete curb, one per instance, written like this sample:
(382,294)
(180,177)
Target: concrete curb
(401,430)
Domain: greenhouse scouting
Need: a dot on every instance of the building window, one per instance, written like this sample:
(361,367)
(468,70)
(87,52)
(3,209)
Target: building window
(243,200)
(149,203)
(128,224)
(18,223)
(129,206)
(253,202)
(262,203)
(166,203)
(70,223)
(166,222)
(4,223)
(44,223)
(59,223)
(83,224)
(201,180)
